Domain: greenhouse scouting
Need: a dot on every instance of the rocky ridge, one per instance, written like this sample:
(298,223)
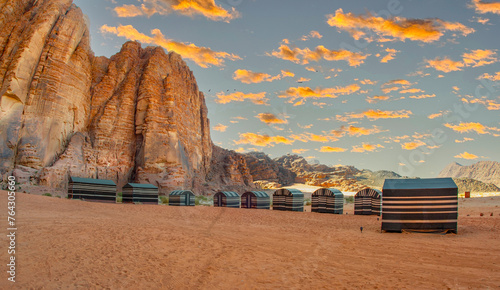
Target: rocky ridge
(135,117)
(485,171)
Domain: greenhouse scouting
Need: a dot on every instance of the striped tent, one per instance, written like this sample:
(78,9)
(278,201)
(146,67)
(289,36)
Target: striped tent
(255,199)
(181,198)
(92,189)
(288,199)
(420,205)
(367,201)
(327,200)
(227,199)
(140,193)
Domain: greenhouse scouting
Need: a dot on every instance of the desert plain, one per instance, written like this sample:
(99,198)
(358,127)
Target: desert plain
(72,244)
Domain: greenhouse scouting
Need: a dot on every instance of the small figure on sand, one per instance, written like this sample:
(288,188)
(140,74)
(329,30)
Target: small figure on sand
(361,229)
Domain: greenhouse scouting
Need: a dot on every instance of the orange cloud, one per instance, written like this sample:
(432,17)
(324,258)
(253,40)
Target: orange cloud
(483,7)
(220,128)
(258,99)
(269,118)
(445,64)
(299,151)
(202,56)
(423,96)
(464,140)
(466,155)
(262,140)
(479,57)
(250,77)
(294,93)
(397,82)
(391,53)
(396,28)
(376,99)
(305,56)
(368,82)
(378,114)
(436,115)
(412,145)
(366,147)
(206,8)
(303,80)
(306,137)
(312,34)
(331,149)
(489,104)
(472,126)
(494,78)
(412,91)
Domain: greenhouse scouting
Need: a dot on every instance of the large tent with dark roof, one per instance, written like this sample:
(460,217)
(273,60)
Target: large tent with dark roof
(227,199)
(140,193)
(90,189)
(327,200)
(367,202)
(427,205)
(288,199)
(255,199)
(181,198)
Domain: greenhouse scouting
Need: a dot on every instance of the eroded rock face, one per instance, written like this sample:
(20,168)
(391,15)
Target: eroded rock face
(264,168)
(485,171)
(135,117)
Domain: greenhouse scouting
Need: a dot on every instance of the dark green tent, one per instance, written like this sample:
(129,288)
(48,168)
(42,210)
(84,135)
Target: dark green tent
(90,189)
(288,199)
(140,193)
(327,200)
(367,202)
(181,198)
(255,199)
(227,199)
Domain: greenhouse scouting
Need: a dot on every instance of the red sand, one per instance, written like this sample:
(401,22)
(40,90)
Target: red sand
(74,244)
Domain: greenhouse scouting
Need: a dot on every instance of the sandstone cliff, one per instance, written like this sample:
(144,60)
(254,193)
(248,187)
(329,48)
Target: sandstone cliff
(137,116)
(485,171)
(263,168)
(467,184)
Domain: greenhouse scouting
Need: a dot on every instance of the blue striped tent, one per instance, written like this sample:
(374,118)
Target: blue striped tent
(90,189)
(181,198)
(288,199)
(426,205)
(227,199)
(367,202)
(255,199)
(140,193)
(327,200)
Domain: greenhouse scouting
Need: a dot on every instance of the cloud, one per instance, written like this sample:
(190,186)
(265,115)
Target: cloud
(305,56)
(376,99)
(303,80)
(206,8)
(412,145)
(258,99)
(368,82)
(294,93)
(411,91)
(397,82)
(306,137)
(472,126)
(250,77)
(312,34)
(332,149)
(483,7)
(269,118)
(202,56)
(491,105)
(391,53)
(378,114)
(494,78)
(299,151)
(262,140)
(466,155)
(396,28)
(464,140)
(444,64)
(423,96)
(436,115)
(355,131)
(474,58)
(220,128)
(366,147)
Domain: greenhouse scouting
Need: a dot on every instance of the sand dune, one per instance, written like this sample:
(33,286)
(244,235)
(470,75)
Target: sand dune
(74,244)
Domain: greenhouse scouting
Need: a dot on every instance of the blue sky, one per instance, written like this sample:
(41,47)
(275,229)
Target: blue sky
(407,86)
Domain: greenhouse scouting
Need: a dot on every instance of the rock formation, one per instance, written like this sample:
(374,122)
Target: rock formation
(467,184)
(485,171)
(137,116)
(262,168)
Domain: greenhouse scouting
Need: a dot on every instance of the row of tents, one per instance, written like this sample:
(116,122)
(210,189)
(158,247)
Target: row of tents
(405,204)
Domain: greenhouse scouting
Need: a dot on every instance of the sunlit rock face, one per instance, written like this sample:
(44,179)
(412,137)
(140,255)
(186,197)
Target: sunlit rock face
(137,116)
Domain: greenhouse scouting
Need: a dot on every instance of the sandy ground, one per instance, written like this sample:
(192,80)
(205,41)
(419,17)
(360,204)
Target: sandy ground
(75,244)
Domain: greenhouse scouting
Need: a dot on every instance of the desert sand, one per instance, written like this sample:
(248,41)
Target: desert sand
(65,243)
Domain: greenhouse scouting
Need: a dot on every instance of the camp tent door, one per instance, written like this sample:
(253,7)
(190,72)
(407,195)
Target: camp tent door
(367,205)
(249,201)
(219,201)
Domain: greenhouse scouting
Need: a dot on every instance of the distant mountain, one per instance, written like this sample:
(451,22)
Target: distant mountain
(467,184)
(485,171)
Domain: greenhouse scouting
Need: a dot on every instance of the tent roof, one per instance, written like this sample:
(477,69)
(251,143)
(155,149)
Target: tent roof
(259,193)
(327,191)
(140,185)
(181,192)
(91,181)
(288,191)
(229,193)
(423,183)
